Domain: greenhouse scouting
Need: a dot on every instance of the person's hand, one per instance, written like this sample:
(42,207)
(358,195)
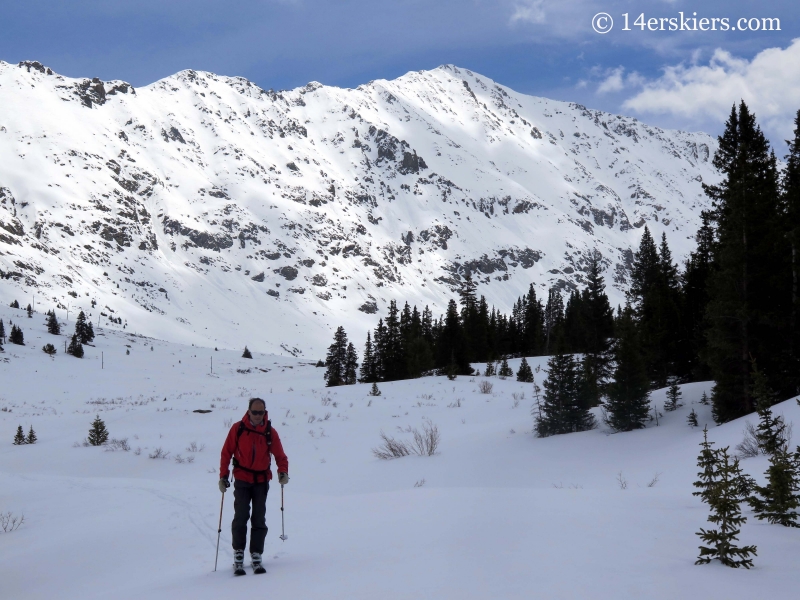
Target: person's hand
(283,478)
(224,484)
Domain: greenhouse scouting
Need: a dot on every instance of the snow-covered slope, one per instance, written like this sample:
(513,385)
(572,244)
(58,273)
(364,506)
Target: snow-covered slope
(496,513)
(202,208)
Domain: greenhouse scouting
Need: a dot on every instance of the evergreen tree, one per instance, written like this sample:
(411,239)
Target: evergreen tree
(16,336)
(771,430)
(490,370)
(53,326)
(750,286)
(505,370)
(350,364)
(29,310)
(707,477)
(98,434)
(525,374)
(778,501)
(336,359)
(724,498)
(692,418)
(31,439)
(89,332)
(75,348)
(553,318)
(19,438)
(790,184)
(704,399)
(247,353)
(628,402)
(85,331)
(596,362)
(673,401)
(368,366)
(49,349)
(451,345)
(374,391)
(561,410)
(2,332)
(15,304)
(692,346)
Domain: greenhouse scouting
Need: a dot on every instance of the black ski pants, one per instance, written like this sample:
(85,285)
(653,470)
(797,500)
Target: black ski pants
(245,493)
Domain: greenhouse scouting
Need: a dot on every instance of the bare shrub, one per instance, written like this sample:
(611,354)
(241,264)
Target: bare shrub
(420,483)
(179,459)
(748,447)
(190,459)
(228,423)
(114,444)
(391,448)
(326,400)
(159,453)
(623,483)
(193,447)
(485,387)
(517,396)
(426,442)
(654,480)
(456,404)
(138,451)
(312,418)
(327,416)
(9,522)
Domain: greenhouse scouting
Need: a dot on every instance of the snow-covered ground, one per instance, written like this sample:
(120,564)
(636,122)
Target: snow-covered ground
(497,513)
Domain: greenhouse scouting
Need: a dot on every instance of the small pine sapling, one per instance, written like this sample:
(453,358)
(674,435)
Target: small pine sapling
(505,370)
(31,439)
(49,349)
(98,434)
(524,373)
(692,419)
(246,353)
(673,398)
(704,400)
(490,370)
(29,311)
(722,483)
(19,438)
(374,391)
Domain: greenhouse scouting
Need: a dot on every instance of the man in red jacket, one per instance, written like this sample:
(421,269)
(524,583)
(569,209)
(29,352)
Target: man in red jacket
(249,444)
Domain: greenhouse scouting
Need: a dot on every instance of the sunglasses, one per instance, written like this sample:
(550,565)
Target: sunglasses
(257,412)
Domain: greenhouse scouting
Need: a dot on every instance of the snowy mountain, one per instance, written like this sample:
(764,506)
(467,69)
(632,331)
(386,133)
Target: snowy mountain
(205,209)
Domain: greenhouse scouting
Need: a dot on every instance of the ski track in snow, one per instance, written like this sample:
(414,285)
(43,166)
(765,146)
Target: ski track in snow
(501,514)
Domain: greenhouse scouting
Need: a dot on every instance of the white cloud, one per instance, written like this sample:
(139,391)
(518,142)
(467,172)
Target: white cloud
(769,84)
(531,11)
(616,80)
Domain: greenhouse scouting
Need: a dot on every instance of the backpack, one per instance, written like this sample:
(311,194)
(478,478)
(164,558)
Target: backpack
(267,435)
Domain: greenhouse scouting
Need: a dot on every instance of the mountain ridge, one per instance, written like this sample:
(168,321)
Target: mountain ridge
(207,209)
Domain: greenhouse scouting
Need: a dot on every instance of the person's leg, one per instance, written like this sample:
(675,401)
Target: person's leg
(242,494)
(258,523)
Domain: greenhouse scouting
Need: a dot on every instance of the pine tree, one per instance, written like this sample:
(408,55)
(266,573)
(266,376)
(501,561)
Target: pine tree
(98,434)
(750,287)
(350,365)
(16,336)
(88,332)
(2,332)
(724,497)
(561,410)
(14,304)
(367,366)
(790,184)
(771,430)
(707,477)
(692,419)
(53,326)
(374,391)
(778,501)
(247,353)
(31,439)
(693,344)
(336,359)
(505,370)
(49,349)
(490,370)
(524,373)
(29,310)
(553,318)
(19,438)
(704,399)
(673,401)
(628,402)
(75,348)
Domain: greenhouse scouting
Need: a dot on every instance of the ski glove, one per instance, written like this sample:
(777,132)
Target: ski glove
(224,484)
(283,478)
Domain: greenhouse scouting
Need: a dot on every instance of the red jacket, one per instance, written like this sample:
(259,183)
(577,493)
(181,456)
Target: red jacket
(250,450)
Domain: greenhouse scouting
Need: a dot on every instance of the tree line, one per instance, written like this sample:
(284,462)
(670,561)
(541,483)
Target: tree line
(733,300)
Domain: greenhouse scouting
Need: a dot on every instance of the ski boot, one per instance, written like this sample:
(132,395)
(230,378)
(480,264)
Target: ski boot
(238,562)
(258,568)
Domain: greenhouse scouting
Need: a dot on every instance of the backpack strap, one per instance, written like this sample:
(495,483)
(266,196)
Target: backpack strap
(267,435)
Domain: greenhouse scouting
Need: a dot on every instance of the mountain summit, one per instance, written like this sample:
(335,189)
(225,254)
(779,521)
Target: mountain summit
(205,209)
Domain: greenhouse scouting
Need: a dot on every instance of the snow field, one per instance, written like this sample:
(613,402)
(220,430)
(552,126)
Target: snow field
(500,514)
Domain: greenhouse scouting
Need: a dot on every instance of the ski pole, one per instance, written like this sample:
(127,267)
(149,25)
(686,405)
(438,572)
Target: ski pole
(283,531)
(219,530)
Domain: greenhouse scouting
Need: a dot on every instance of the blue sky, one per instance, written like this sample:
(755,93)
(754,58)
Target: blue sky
(682,79)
